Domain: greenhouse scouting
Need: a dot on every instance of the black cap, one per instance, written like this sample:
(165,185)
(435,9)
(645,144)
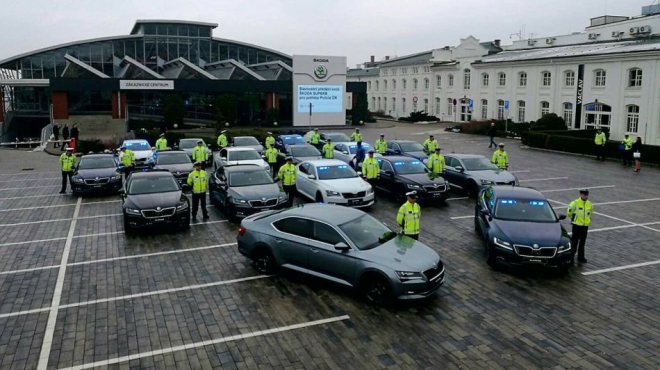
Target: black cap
(371,152)
(584,191)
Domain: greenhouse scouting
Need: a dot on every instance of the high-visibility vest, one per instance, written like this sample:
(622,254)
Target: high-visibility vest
(315,138)
(356,136)
(222,140)
(370,168)
(328,151)
(381,146)
(161,144)
(500,159)
(437,163)
(288,174)
(600,139)
(271,155)
(270,141)
(198,180)
(199,153)
(408,217)
(430,145)
(628,142)
(67,162)
(128,158)
(580,212)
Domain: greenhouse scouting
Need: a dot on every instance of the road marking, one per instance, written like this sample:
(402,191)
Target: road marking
(208,222)
(28,173)
(584,187)
(60,238)
(57,295)
(461,217)
(59,219)
(520,171)
(644,225)
(103,201)
(31,187)
(27,312)
(44,179)
(183,347)
(29,270)
(594,272)
(29,208)
(632,224)
(545,179)
(35,196)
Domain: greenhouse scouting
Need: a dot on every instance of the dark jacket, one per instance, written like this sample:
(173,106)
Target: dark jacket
(56,131)
(637,147)
(65,133)
(74,133)
(492,131)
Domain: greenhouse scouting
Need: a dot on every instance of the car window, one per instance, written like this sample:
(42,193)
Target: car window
(366,232)
(326,233)
(296,226)
(137,145)
(384,165)
(411,146)
(93,163)
(187,144)
(243,155)
(173,158)
(449,161)
(304,168)
(223,153)
(152,185)
(390,145)
(249,178)
(478,164)
(524,210)
(243,141)
(336,172)
(305,151)
(408,167)
(489,199)
(338,147)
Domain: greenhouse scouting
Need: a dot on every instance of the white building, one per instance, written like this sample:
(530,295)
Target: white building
(607,76)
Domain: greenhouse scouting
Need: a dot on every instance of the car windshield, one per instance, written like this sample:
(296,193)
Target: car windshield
(152,184)
(409,167)
(187,144)
(337,137)
(243,155)
(245,141)
(478,164)
(305,151)
(93,163)
(524,210)
(335,172)
(352,148)
(174,158)
(248,178)
(366,232)
(137,145)
(411,146)
(292,140)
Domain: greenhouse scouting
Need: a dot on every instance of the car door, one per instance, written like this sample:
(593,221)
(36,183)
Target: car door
(451,173)
(324,259)
(486,202)
(339,152)
(293,241)
(386,180)
(217,187)
(302,181)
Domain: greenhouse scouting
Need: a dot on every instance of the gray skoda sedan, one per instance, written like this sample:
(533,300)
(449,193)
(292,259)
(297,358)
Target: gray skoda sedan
(472,173)
(345,246)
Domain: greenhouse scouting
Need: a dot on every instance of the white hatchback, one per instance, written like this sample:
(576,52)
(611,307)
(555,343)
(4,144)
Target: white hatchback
(333,181)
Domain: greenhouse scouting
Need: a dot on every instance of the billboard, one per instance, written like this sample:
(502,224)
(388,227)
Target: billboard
(319,84)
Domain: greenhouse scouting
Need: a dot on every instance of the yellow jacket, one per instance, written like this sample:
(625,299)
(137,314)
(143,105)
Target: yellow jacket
(408,218)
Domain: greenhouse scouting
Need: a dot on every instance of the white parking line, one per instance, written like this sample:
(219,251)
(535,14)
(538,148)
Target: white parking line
(57,295)
(644,225)
(60,238)
(103,201)
(34,196)
(460,198)
(31,187)
(461,217)
(28,173)
(584,187)
(545,179)
(41,207)
(117,360)
(44,179)
(632,224)
(594,272)
(29,270)
(208,222)
(59,219)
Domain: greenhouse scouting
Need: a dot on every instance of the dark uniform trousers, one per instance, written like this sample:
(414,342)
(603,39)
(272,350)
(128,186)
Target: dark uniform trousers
(290,190)
(578,240)
(599,152)
(197,199)
(66,175)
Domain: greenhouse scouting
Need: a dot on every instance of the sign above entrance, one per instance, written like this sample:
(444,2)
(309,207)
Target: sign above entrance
(146,85)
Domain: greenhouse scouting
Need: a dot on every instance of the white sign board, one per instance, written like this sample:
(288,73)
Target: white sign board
(146,85)
(319,81)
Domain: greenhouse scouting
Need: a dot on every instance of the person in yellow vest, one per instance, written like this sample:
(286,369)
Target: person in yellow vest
(381,144)
(580,212)
(500,158)
(198,182)
(437,162)
(328,149)
(430,144)
(199,153)
(600,141)
(315,138)
(161,143)
(68,164)
(270,140)
(222,139)
(127,161)
(371,169)
(287,174)
(409,216)
(627,150)
(271,158)
(356,136)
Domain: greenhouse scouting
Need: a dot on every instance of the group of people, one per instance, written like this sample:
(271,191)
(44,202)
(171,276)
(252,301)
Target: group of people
(632,150)
(69,136)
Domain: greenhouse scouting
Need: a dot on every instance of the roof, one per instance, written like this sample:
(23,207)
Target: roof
(397,158)
(170,21)
(191,139)
(135,141)
(292,135)
(152,173)
(517,192)
(491,47)
(98,155)
(239,148)
(362,72)
(336,215)
(166,152)
(418,58)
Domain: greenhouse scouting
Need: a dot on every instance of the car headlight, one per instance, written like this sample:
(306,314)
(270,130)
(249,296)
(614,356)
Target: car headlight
(370,190)
(501,243)
(77,179)
(564,248)
(182,206)
(133,211)
(283,198)
(331,193)
(413,186)
(238,201)
(487,182)
(115,177)
(409,275)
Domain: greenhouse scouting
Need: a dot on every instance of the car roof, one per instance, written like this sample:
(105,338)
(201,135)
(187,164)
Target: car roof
(152,173)
(243,168)
(350,143)
(461,156)
(239,149)
(301,145)
(166,152)
(404,141)
(517,192)
(398,158)
(100,155)
(244,137)
(326,162)
(281,135)
(325,212)
(191,139)
(136,141)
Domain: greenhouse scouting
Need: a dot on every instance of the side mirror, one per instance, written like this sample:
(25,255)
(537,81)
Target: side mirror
(342,247)
(388,173)
(122,192)
(485,212)
(459,168)
(208,145)
(345,152)
(359,174)
(223,159)
(562,217)
(311,177)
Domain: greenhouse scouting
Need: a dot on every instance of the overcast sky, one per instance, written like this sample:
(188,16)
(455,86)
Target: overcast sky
(353,28)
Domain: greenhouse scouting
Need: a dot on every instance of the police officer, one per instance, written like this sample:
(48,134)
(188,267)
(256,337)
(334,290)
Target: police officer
(328,150)
(430,144)
(356,136)
(600,144)
(315,138)
(371,169)
(199,153)
(271,158)
(627,150)
(270,140)
(68,164)
(288,173)
(222,139)
(127,160)
(437,162)
(198,182)
(381,144)
(580,211)
(500,158)
(409,215)
(161,143)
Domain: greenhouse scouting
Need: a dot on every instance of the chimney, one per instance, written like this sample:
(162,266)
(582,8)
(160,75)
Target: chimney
(387,57)
(497,42)
(373,60)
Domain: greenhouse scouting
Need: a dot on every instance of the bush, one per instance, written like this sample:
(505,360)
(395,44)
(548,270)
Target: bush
(419,116)
(91,145)
(549,122)
(475,127)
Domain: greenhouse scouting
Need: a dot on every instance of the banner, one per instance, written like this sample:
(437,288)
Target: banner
(578,98)
(146,85)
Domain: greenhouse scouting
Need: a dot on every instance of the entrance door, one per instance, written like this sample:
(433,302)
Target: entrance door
(466,114)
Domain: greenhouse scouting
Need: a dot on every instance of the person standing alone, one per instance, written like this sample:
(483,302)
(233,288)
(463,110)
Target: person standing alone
(600,141)
(500,158)
(56,135)
(198,182)
(627,150)
(65,136)
(409,215)
(288,173)
(580,212)
(68,164)
(637,152)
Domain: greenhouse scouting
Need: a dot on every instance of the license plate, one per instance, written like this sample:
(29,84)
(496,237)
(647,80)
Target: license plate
(264,209)
(354,202)
(159,220)
(436,195)
(98,186)
(534,260)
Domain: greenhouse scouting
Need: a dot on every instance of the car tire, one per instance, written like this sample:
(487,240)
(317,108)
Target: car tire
(319,197)
(229,212)
(376,290)
(128,229)
(264,261)
(490,255)
(477,227)
(472,189)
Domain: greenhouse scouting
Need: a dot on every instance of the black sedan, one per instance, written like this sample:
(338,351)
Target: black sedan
(406,148)
(281,141)
(177,162)
(245,190)
(520,228)
(399,175)
(96,173)
(300,154)
(152,199)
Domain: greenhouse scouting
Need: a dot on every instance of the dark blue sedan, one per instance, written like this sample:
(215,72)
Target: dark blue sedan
(282,141)
(407,148)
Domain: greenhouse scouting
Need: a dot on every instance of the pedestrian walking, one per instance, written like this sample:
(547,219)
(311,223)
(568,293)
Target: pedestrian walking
(627,143)
(501,158)
(360,154)
(271,158)
(161,143)
(356,136)
(430,144)
(437,162)
(68,165)
(75,132)
(600,141)
(65,136)
(127,158)
(198,182)
(328,150)
(580,212)
(371,169)
(381,145)
(637,153)
(56,135)
(492,131)
(409,216)
(288,173)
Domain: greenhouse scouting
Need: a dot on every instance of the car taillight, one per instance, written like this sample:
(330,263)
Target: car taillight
(241,231)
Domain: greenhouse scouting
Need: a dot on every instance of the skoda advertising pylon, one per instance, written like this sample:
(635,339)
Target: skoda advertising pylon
(319,84)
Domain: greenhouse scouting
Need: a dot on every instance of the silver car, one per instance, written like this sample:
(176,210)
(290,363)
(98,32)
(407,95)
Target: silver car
(345,246)
(471,173)
(248,142)
(346,152)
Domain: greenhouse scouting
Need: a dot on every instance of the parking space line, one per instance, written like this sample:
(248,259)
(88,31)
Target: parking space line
(59,238)
(619,268)
(460,198)
(208,222)
(28,173)
(613,218)
(41,207)
(644,225)
(30,187)
(57,295)
(101,202)
(44,179)
(59,219)
(461,217)
(545,179)
(29,270)
(26,312)
(584,187)
(183,347)
(35,196)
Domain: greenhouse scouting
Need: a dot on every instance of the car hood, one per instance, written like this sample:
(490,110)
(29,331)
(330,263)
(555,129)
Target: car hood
(545,234)
(259,148)
(182,167)
(97,172)
(419,155)
(422,179)
(351,185)
(403,254)
(150,201)
(257,192)
(257,162)
(141,154)
(188,151)
(494,175)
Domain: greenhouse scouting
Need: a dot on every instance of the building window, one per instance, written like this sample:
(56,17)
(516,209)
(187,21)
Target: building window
(522,79)
(426,105)
(426,84)
(384,85)
(403,105)
(597,115)
(437,107)
(484,109)
(501,79)
(378,103)
(373,103)
(385,104)
(438,81)
(393,84)
(467,79)
(369,83)
(377,85)
(568,114)
(415,84)
(394,104)
(450,106)
(500,110)
(451,80)
(415,70)
(569,78)
(545,108)
(485,80)
(600,78)
(635,77)
(403,84)
(521,111)
(632,119)
(546,79)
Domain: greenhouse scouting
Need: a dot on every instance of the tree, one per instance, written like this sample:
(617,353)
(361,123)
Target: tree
(226,108)
(173,110)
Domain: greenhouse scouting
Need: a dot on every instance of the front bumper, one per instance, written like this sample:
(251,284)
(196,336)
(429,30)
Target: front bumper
(433,196)
(366,201)
(178,218)
(510,257)
(109,187)
(418,289)
(244,210)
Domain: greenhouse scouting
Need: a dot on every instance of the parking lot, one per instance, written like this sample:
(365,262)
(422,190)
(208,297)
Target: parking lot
(75,292)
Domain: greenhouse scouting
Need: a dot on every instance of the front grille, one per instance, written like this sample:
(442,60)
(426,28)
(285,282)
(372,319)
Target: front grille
(180,175)
(433,189)
(97,181)
(153,213)
(360,194)
(261,203)
(434,273)
(527,251)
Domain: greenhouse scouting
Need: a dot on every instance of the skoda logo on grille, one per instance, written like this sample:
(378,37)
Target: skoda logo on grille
(157,208)
(535,246)
(435,185)
(97,178)
(178,173)
(264,199)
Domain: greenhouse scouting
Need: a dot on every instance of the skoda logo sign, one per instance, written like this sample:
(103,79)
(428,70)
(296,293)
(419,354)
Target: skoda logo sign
(264,199)
(321,71)
(535,246)
(157,208)
(97,178)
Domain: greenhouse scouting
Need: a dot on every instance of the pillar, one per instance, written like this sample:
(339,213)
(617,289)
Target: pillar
(118,104)
(272,101)
(60,101)
(2,105)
